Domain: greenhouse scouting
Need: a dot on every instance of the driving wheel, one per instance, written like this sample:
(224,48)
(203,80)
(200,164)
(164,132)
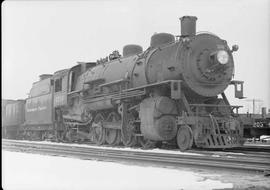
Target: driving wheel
(184,138)
(113,136)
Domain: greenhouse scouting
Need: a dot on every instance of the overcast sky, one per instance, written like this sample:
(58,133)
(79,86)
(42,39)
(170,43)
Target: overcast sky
(45,36)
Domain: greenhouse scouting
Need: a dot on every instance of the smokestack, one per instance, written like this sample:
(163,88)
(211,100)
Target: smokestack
(188,26)
(263,112)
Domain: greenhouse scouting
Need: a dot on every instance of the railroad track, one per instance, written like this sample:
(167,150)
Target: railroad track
(239,152)
(235,162)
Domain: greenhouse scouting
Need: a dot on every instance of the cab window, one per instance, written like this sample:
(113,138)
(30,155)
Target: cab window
(58,85)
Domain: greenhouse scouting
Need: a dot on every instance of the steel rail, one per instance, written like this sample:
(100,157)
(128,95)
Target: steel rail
(233,155)
(238,153)
(164,159)
(213,153)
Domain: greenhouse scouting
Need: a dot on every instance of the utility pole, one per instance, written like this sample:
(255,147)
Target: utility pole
(254,101)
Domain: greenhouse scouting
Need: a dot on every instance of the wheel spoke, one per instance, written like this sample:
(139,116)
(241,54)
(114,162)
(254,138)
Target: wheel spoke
(112,135)
(128,137)
(98,131)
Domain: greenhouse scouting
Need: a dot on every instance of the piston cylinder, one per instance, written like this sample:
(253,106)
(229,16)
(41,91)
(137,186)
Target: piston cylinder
(158,120)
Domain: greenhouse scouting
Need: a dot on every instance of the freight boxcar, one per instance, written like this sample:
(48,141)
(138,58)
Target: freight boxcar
(13,116)
(5,102)
(256,125)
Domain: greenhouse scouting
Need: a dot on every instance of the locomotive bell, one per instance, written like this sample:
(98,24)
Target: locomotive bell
(188,26)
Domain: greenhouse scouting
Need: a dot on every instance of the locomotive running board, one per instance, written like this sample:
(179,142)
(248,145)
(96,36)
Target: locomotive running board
(153,84)
(174,84)
(114,82)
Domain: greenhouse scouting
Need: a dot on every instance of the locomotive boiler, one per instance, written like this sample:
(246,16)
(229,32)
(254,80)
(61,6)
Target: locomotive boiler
(172,92)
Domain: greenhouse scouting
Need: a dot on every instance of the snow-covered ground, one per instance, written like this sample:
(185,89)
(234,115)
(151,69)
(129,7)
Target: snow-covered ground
(24,171)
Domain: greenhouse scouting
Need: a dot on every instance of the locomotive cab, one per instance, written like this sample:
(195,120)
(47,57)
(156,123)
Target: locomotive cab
(77,71)
(60,79)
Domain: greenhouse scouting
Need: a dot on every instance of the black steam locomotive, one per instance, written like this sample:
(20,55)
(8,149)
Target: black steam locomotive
(171,92)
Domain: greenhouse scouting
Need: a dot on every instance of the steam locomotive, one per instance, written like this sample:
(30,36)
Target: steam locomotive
(173,92)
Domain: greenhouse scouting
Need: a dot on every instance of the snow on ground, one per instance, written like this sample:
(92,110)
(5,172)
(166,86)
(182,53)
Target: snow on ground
(24,171)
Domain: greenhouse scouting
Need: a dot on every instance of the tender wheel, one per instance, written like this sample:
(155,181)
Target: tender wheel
(146,143)
(61,136)
(113,136)
(44,135)
(184,138)
(99,136)
(68,136)
(128,137)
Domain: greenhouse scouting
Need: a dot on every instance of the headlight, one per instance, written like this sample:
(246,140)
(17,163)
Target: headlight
(222,57)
